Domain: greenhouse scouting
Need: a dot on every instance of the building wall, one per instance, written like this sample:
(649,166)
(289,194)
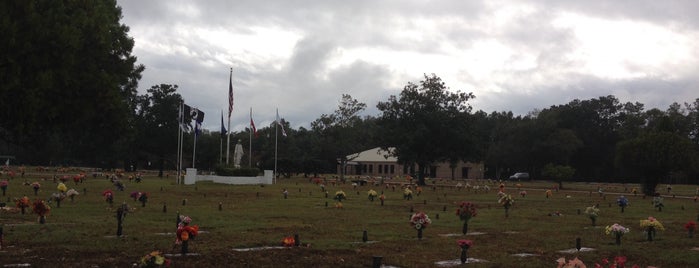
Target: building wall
(463,170)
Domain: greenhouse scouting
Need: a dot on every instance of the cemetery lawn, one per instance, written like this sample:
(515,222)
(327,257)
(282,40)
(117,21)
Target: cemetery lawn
(82,233)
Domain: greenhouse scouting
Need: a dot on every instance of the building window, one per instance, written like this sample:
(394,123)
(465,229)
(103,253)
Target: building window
(393,169)
(380,169)
(371,168)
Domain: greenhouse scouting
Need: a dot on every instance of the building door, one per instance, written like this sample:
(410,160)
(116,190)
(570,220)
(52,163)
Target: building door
(464,172)
(433,172)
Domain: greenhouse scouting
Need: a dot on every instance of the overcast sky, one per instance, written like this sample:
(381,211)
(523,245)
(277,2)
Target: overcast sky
(301,56)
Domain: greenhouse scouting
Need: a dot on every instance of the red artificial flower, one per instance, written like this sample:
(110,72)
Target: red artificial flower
(464,243)
(288,241)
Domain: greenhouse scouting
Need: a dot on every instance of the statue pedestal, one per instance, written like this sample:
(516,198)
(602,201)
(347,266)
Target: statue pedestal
(191,176)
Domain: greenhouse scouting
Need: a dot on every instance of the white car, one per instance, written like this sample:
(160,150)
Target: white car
(519,176)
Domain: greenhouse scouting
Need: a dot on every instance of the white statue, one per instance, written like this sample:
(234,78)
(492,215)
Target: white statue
(238,154)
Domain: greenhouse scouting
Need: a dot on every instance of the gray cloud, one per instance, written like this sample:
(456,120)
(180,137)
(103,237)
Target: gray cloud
(534,67)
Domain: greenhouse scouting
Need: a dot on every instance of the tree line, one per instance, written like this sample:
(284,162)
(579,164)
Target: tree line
(68,94)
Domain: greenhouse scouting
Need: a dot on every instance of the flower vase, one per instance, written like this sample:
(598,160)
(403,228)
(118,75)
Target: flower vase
(23,210)
(42,219)
(419,233)
(651,233)
(3,191)
(185,247)
(464,230)
(593,221)
(690,233)
(464,255)
(622,209)
(618,238)
(36,191)
(72,198)
(507,212)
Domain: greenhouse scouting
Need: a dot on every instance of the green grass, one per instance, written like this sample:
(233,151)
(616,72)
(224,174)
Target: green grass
(81,233)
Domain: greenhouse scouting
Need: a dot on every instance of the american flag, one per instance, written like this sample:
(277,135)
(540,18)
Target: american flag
(230,94)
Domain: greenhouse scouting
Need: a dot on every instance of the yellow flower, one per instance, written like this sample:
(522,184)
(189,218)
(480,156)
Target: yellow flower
(62,187)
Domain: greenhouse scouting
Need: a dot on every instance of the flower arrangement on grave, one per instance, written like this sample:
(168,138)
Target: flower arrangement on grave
(22,203)
(420,221)
(617,230)
(135,195)
(71,193)
(372,195)
(690,227)
(658,202)
(407,193)
(617,262)
(592,213)
(651,226)
(62,187)
(3,186)
(549,194)
(464,244)
(506,201)
(185,232)
(78,178)
(143,198)
(40,208)
(340,195)
(108,196)
(622,201)
(154,259)
(523,193)
(572,263)
(58,197)
(466,211)
(36,185)
(288,241)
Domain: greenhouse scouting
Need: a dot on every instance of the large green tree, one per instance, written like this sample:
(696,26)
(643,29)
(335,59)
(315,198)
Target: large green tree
(157,124)
(67,80)
(654,157)
(426,124)
(342,132)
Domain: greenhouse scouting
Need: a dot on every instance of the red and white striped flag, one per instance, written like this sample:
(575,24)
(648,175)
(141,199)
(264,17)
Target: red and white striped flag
(279,122)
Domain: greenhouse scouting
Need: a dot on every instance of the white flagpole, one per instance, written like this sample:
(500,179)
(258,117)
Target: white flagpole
(220,139)
(250,143)
(230,110)
(275,146)
(194,151)
(178,165)
(179,168)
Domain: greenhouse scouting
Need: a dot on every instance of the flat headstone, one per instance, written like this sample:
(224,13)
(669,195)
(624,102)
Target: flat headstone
(258,248)
(573,250)
(449,235)
(470,233)
(525,255)
(18,265)
(180,255)
(367,242)
(457,262)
